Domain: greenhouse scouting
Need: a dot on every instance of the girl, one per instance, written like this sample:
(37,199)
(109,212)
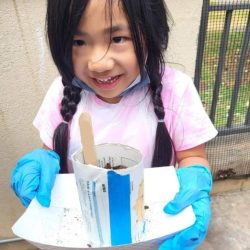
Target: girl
(110,58)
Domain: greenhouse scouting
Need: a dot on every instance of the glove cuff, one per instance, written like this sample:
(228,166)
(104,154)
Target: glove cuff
(204,173)
(47,151)
(198,173)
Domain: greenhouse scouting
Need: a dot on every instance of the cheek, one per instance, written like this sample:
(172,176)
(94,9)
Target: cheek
(78,62)
(78,54)
(74,59)
(134,66)
(133,62)
(74,54)
(130,61)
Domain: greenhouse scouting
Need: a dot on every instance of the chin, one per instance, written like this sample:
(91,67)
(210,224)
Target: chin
(109,99)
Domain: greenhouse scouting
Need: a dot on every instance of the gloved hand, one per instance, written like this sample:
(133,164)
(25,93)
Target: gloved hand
(34,175)
(195,185)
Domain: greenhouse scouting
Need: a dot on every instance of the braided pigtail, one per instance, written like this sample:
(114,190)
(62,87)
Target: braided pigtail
(62,21)
(163,151)
(148,21)
(71,97)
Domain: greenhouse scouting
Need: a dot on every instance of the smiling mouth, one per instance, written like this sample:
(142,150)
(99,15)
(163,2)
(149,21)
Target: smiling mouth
(109,80)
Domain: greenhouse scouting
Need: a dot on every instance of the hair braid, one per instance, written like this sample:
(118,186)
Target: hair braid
(163,144)
(71,98)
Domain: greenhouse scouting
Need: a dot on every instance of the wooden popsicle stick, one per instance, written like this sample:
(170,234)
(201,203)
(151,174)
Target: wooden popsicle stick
(87,139)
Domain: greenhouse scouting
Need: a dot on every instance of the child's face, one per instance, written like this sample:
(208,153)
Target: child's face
(107,70)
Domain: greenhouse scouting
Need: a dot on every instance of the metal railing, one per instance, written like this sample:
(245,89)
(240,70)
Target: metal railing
(227,9)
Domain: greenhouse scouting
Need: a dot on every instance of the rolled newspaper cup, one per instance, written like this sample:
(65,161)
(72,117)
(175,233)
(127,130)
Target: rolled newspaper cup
(111,195)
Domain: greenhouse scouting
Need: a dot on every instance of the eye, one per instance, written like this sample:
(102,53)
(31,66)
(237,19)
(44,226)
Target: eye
(119,39)
(78,43)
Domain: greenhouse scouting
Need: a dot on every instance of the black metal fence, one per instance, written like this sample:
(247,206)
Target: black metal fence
(223,79)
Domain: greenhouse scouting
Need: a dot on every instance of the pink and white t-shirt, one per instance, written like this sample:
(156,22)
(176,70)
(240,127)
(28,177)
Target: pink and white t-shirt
(132,121)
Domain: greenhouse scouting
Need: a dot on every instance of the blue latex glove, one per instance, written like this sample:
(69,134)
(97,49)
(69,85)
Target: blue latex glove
(195,185)
(34,175)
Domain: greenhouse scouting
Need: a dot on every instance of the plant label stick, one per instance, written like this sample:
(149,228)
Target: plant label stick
(87,139)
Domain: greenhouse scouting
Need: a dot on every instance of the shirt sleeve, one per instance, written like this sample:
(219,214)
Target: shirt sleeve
(186,119)
(48,116)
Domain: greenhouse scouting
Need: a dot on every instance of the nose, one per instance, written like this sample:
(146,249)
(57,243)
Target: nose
(102,63)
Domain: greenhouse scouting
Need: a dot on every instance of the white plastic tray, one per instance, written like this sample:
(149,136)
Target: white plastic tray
(61,227)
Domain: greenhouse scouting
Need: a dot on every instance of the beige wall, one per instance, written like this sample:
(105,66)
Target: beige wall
(26,70)
(184,34)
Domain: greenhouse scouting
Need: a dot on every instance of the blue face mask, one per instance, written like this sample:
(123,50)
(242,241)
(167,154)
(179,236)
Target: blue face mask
(139,82)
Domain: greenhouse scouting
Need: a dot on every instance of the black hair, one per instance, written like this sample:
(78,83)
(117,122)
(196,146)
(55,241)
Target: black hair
(149,30)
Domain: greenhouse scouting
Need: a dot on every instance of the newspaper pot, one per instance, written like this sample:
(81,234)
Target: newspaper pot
(112,200)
